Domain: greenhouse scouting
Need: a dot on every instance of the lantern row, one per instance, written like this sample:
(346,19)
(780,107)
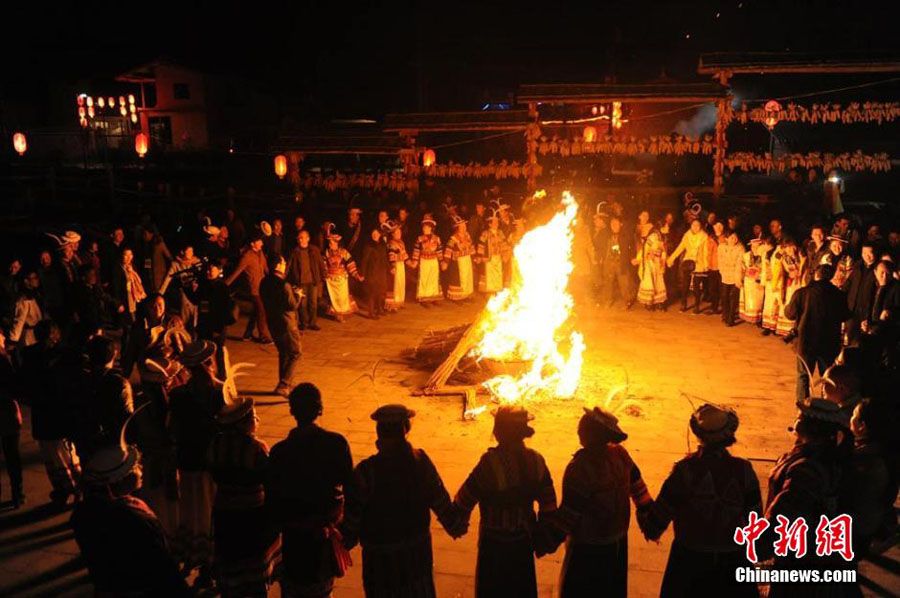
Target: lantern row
(88,107)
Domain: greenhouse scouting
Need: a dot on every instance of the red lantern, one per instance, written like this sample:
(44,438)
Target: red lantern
(121,100)
(772,109)
(140,144)
(281,165)
(90,102)
(590,134)
(80,99)
(134,118)
(82,122)
(82,113)
(131,98)
(617,115)
(91,112)
(123,111)
(111,102)
(132,108)
(101,103)
(428,158)
(20,143)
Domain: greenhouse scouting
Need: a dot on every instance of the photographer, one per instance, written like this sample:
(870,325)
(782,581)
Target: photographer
(280,301)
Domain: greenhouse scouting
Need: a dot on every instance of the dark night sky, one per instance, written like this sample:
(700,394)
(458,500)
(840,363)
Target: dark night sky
(333,58)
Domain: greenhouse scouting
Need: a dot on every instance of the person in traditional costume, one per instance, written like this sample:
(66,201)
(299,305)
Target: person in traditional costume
(458,260)
(308,474)
(120,538)
(651,263)
(753,291)
(707,495)
(161,372)
(492,252)
(374,270)
(599,482)
(695,264)
(193,408)
(791,279)
(397,256)
(773,279)
(389,510)
(339,268)
(506,483)
(425,257)
(246,544)
(806,482)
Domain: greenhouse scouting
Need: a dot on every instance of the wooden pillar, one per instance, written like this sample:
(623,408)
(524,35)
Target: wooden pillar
(532,133)
(721,137)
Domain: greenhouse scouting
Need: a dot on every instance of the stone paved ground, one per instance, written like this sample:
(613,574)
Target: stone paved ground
(662,354)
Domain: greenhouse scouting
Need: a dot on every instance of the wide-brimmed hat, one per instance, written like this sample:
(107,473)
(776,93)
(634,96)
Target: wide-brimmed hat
(159,369)
(714,423)
(606,420)
(393,414)
(457,220)
(513,418)
(824,410)
(842,239)
(389,226)
(111,464)
(265,228)
(197,352)
(429,221)
(211,231)
(67,238)
(235,409)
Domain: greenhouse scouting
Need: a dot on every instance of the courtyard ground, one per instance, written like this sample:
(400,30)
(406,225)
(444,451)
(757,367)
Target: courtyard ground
(663,356)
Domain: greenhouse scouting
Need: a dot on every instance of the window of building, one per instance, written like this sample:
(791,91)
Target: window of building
(181,91)
(160,129)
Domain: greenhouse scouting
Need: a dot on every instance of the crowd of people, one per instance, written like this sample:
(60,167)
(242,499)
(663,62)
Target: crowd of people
(118,347)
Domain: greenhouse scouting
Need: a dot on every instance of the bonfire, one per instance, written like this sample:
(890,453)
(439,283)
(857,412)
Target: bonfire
(525,337)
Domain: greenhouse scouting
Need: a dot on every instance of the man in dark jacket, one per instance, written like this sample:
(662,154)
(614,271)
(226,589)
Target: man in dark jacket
(861,290)
(281,302)
(374,268)
(214,306)
(819,310)
(614,259)
(308,474)
(305,272)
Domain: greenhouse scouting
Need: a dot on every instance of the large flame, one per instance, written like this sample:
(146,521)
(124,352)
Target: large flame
(526,322)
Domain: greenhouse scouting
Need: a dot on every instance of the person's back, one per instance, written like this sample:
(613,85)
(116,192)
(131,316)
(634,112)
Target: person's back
(307,476)
(823,309)
(279,313)
(125,548)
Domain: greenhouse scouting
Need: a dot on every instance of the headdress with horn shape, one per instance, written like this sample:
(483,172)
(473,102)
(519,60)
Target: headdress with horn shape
(236,407)
(111,464)
(330,232)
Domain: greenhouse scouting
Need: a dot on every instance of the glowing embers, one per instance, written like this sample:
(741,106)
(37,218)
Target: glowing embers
(529,325)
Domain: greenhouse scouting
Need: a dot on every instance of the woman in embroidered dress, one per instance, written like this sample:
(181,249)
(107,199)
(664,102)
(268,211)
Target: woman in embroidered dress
(339,267)
(651,263)
(458,260)
(492,251)
(426,252)
(396,293)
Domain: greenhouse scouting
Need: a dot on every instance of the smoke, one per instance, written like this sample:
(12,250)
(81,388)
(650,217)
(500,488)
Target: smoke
(704,120)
